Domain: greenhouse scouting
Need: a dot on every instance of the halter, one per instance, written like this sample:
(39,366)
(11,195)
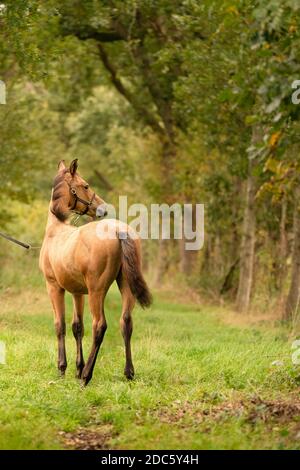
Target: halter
(83,201)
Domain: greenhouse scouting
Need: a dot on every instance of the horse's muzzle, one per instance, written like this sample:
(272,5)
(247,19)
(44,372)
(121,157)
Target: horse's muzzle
(101,211)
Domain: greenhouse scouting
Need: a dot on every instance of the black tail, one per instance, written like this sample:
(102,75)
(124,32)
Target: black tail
(131,268)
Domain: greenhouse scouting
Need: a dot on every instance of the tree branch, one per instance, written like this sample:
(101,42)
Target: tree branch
(87,32)
(119,33)
(102,36)
(140,110)
(162,105)
(140,56)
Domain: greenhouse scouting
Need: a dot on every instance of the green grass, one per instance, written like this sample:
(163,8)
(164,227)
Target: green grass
(198,380)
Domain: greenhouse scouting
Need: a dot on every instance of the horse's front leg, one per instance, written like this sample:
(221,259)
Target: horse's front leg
(57,296)
(96,301)
(78,331)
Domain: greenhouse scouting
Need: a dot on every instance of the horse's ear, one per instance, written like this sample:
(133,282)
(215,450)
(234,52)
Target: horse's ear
(74,166)
(61,165)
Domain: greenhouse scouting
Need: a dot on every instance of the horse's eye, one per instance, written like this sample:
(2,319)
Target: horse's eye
(86,186)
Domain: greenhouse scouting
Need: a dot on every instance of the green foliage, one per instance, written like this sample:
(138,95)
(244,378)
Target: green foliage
(161,99)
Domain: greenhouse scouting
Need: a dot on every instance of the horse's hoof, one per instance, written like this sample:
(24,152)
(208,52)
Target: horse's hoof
(84,382)
(129,374)
(85,379)
(78,374)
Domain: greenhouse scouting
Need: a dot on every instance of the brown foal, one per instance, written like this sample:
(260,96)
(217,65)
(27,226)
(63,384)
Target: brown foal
(87,260)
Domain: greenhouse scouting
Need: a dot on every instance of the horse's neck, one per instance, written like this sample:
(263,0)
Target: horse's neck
(54,225)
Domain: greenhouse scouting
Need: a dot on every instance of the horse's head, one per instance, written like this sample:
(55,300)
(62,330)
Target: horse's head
(72,193)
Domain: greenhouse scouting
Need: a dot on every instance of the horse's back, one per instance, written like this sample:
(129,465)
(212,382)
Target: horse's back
(77,258)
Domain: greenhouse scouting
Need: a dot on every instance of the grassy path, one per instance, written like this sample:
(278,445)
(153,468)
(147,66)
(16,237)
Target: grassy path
(200,383)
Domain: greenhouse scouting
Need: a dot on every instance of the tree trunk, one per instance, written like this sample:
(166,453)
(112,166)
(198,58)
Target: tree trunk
(292,302)
(188,257)
(206,261)
(217,258)
(282,245)
(234,247)
(247,246)
(228,281)
(162,261)
(168,155)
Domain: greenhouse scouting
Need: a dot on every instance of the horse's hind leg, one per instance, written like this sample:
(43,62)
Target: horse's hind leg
(57,296)
(78,331)
(96,301)
(126,324)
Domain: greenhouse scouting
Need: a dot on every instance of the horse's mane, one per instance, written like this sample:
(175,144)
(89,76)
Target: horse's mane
(59,207)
